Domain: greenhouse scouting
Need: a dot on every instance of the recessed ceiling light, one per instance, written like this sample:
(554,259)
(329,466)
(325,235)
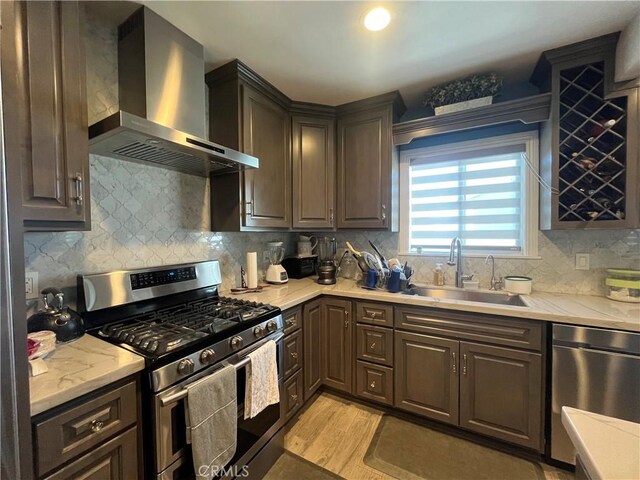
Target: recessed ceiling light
(377,19)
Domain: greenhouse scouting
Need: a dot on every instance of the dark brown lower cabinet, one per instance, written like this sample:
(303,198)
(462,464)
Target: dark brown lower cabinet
(374,382)
(113,460)
(311,314)
(292,397)
(426,378)
(337,344)
(292,353)
(500,393)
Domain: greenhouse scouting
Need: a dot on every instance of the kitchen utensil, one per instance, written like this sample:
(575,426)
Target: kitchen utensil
(380,256)
(306,245)
(373,262)
(623,285)
(393,262)
(348,268)
(67,324)
(276,272)
(327,247)
(393,284)
(518,284)
(372,278)
(361,262)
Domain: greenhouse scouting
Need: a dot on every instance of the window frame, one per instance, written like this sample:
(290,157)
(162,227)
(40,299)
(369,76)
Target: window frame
(529,200)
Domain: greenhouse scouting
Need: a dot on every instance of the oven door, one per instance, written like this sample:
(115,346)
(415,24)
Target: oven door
(172,453)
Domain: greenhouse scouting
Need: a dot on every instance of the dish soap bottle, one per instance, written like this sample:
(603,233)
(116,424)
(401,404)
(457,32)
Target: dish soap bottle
(438,275)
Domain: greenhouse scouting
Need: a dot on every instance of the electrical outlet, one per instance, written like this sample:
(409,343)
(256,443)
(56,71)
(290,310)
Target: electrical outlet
(31,285)
(582,261)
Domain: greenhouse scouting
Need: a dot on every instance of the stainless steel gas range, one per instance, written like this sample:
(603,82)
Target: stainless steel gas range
(175,318)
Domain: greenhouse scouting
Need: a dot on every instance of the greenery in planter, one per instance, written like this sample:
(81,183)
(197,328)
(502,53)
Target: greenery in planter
(464,89)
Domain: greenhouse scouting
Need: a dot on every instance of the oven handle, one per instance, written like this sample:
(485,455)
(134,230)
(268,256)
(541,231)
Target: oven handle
(244,361)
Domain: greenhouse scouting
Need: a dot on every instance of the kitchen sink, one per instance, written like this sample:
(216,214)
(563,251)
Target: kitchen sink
(468,296)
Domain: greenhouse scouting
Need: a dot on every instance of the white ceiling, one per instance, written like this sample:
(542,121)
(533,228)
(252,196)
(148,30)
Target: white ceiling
(320,52)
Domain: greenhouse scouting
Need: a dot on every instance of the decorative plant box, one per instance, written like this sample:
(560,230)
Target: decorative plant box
(456,107)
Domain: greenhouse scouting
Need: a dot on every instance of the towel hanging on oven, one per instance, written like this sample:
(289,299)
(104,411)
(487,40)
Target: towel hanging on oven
(212,415)
(262,380)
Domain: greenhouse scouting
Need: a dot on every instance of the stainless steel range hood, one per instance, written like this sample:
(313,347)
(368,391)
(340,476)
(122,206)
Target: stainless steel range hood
(161,87)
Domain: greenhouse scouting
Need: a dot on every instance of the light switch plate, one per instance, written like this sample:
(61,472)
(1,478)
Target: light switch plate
(582,261)
(31,285)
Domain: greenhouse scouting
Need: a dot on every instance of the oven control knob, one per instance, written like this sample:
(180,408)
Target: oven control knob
(258,331)
(185,366)
(236,342)
(271,325)
(207,356)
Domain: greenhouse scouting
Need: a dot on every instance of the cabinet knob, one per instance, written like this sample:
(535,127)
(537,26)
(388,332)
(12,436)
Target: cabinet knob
(373,315)
(373,345)
(289,322)
(294,354)
(78,181)
(373,384)
(294,398)
(96,425)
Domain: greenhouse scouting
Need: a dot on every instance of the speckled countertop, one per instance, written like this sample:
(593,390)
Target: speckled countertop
(89,363)
(560,308)
(609,447)
(80,367)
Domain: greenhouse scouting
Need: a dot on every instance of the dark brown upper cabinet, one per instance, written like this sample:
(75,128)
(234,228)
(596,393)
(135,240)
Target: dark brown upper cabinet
(589,147)
(314,171)
(248,114)
(364,153)
(45,112)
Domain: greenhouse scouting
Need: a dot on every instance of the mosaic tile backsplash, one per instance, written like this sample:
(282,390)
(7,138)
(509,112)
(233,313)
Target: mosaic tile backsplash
(147,216)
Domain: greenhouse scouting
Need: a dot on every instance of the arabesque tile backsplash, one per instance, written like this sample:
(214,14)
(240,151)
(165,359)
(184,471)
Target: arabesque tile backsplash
(147,216)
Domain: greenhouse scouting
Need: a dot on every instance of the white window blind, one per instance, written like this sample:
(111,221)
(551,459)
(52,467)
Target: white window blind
(475,195)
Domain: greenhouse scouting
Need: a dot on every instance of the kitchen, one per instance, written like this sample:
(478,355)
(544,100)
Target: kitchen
(343,161)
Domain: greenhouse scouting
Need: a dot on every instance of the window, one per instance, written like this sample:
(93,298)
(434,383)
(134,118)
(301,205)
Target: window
(483,191)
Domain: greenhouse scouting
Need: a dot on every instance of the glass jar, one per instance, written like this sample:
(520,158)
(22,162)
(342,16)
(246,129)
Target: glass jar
(623,285)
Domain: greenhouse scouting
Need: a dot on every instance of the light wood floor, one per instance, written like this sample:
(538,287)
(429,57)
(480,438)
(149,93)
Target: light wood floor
(335,433)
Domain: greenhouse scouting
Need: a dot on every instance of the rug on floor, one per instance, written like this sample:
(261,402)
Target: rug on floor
(412,452)
(292,467)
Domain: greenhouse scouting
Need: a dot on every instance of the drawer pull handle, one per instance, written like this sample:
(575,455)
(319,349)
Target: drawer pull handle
(289,322)
(464,364)
(78,181)
(95,423)
(294,354)
(294,398)
(96,426)
(373,384)
(453,357)
(373,315)
(373,345)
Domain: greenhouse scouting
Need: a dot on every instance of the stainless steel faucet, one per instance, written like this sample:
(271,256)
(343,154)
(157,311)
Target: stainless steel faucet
(460,276)
(495,284)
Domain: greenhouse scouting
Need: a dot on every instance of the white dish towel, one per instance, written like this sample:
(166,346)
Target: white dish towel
(262,380)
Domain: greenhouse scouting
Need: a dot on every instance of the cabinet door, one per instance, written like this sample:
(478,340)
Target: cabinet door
(501,392)
(292,353)
(45,109)
(426,376)
(116,459)
(364,169)
(266,135)
(337,344)
(314,169)
(292,397)
(311,314)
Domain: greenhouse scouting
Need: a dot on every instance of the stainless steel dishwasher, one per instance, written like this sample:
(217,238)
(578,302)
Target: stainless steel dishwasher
(595,370)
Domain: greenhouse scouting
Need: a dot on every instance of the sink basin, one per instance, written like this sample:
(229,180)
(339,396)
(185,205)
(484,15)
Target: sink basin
(468,296)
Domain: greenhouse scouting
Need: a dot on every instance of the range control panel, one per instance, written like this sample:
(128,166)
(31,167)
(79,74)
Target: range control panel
(162,277)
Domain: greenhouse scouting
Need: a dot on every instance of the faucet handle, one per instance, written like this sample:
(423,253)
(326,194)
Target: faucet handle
(466,277)
(498,284)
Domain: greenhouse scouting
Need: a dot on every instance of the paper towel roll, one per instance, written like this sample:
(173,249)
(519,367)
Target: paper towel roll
(252,270)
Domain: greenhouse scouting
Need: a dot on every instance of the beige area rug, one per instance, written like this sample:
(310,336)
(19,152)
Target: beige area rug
(412,452)
(293,467)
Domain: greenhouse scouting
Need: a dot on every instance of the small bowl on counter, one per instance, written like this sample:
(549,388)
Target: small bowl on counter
(518,284)
(623,285)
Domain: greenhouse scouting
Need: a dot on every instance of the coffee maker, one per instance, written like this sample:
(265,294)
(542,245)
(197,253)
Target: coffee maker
(326,260)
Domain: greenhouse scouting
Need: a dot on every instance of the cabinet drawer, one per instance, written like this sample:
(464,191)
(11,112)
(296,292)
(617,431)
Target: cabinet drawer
(73,432)
(512,332)
(374,382)
(375,344)
(116,459)
(292,396)
(292,320)
(292,353)
(374,314)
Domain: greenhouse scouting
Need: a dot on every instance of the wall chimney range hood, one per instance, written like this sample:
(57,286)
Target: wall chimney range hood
(161,87)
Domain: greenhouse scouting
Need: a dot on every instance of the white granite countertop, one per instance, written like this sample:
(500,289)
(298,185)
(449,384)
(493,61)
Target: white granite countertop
(560,308)
(609,447)
(80,367)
